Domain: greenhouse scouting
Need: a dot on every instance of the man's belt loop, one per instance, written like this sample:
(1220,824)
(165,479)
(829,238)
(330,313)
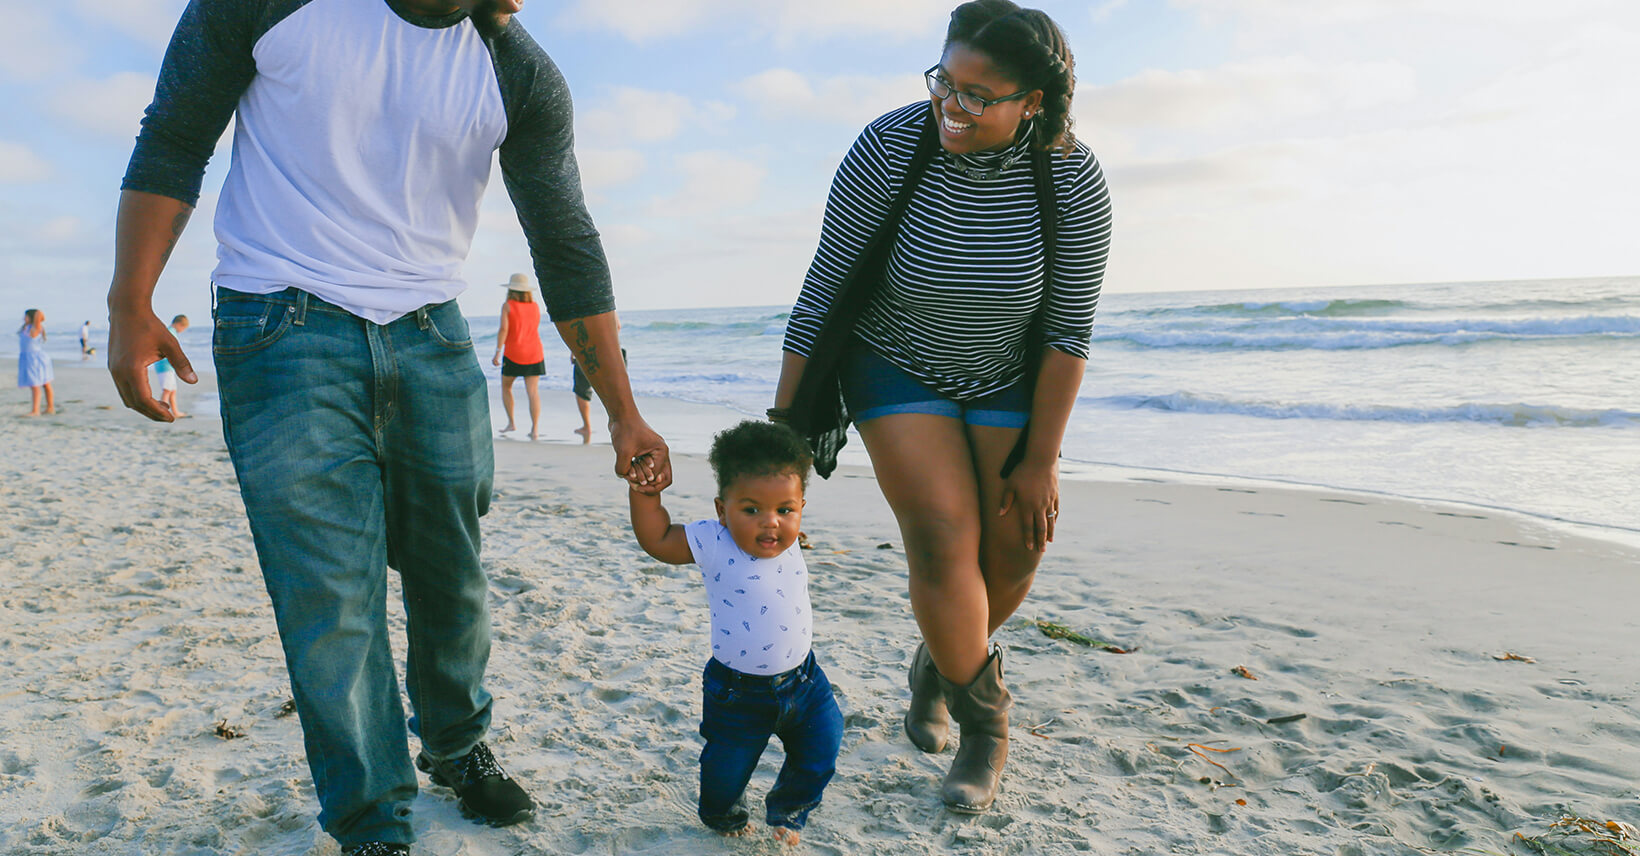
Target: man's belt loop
(301,308)
(422,321)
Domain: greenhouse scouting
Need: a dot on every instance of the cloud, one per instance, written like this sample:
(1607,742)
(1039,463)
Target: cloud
(806,19)
(32,47)
(1334,12)
(1253,94)
(785,20)
(646,20)
(627,114)
(712,181)
(1104,10)
(20,165)
(59,229)
(148,21)
(112,105)
(852,100)
(604,168)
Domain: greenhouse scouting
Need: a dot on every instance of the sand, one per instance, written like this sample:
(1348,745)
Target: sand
(138,642)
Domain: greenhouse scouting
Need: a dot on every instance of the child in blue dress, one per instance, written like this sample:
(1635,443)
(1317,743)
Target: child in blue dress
(33,363)
(762,679)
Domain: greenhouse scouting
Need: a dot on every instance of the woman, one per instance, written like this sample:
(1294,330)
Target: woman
(956,340)
(33,364)
(518,349)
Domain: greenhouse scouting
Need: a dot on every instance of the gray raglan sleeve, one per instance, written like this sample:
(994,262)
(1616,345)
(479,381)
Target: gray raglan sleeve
(538,166)
(206,69)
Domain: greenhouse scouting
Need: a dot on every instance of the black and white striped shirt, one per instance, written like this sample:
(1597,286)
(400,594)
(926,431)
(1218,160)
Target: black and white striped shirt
(966,271)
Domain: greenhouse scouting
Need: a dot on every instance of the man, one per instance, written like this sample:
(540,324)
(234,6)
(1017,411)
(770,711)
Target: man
(353,406)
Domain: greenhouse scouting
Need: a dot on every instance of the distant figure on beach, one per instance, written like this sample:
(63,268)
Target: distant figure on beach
(167,376)
(951,302)
(354,407)
(518,350)
(33,363)
(583,398)
(85,341)
(762,679)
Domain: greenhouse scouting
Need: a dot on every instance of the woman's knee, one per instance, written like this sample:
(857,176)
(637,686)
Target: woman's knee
(936,543)
(1005,560)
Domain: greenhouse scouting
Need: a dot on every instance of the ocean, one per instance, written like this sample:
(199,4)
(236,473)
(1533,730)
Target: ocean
(1521,396)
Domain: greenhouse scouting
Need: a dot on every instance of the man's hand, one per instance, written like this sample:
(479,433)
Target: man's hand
(641,456)
(135,342)
(145,232)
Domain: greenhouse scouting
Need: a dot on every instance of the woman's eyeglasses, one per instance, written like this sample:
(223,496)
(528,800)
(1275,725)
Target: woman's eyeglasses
(968,101)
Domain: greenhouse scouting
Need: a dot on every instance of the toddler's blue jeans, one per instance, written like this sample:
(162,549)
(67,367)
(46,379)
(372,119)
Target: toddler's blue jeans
(740,713)
(361,446)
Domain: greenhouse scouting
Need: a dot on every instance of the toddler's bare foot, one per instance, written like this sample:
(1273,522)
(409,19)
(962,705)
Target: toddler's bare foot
(785,835)
(738,833)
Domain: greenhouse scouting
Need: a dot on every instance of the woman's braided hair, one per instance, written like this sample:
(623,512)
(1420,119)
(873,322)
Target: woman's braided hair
(1030,48)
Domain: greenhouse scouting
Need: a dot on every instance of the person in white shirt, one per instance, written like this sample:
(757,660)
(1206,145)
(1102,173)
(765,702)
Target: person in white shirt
(353,406)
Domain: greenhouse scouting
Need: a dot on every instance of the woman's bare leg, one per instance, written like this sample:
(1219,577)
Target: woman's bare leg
(925,468)
(507,401)
(532,391)
(1008,565)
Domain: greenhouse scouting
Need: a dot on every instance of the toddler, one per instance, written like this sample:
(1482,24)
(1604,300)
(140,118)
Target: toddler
(762,678)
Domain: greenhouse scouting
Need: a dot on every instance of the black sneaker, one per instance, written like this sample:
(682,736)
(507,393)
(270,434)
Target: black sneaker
(376,848)
(483,790)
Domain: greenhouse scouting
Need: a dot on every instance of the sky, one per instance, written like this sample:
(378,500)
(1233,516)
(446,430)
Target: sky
(1247,143)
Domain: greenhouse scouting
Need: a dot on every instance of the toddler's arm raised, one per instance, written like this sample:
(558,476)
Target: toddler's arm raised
(657,534)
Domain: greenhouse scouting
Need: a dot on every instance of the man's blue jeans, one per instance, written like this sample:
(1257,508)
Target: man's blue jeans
(739,714)
(361,446)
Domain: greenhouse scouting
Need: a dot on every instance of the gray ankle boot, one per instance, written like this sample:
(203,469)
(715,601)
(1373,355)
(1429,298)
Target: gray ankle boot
(926,721)
(981,710)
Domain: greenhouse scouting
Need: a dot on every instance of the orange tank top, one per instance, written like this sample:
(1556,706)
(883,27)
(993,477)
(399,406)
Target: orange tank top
(523,345)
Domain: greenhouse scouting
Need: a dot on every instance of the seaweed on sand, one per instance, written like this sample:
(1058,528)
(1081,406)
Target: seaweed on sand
(1573,835)
(1055,630)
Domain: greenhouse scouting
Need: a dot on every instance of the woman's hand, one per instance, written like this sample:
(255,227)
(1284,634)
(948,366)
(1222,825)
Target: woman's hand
(497,359)
(1032,490)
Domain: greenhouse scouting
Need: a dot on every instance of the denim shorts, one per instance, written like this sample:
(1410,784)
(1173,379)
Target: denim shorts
(873,387)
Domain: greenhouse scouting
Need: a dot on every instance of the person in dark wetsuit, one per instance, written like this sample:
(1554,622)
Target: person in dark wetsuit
(353,406)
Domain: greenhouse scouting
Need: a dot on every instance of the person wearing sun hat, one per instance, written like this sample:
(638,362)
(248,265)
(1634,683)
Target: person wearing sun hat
(518,349)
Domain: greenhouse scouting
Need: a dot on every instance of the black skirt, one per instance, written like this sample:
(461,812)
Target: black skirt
(512,369)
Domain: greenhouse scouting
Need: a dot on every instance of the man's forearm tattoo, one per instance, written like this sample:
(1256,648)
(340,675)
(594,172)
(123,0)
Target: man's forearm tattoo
(585,351)
(177,224)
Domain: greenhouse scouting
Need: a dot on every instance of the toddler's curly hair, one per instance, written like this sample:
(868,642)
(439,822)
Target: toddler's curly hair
(755,448)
